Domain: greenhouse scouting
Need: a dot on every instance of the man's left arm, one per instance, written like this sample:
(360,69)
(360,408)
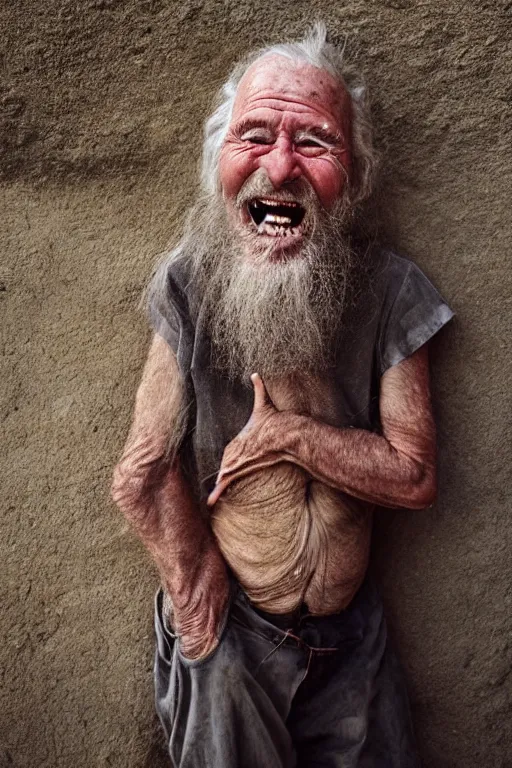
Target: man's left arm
(394,468)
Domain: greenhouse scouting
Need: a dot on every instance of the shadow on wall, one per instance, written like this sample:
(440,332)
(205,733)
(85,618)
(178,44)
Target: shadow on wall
(157,756)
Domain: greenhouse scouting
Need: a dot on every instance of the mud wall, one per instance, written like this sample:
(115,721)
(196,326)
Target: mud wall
(101,105)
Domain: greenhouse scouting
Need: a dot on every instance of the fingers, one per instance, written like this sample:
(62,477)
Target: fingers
(217,493)
(261,397)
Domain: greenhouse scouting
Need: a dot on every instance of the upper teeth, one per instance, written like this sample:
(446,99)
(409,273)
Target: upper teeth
(290,203)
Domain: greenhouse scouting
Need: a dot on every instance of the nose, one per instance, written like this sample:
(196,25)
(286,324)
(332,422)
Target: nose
(281,163)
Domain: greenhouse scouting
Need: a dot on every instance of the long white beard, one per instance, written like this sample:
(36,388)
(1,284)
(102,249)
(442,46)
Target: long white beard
(276,317)
(272,317)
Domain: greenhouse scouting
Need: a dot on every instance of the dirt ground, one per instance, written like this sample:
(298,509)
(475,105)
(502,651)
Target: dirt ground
(101,105)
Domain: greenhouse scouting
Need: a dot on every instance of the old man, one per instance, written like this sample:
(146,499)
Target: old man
(285,395)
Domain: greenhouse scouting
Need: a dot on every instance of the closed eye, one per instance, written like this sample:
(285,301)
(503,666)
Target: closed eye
(258,139)
(311,146)
(317,138)
(255,134)
(308,143)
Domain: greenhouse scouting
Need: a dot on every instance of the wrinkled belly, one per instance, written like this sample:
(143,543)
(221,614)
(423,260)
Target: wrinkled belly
(290,539)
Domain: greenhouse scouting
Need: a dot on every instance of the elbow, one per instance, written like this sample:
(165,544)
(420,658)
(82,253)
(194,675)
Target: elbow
(118,486)
(127,489)
(136,476)
(132,491)
(422,490)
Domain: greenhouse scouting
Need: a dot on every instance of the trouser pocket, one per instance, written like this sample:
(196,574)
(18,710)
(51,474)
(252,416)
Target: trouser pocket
(165,636)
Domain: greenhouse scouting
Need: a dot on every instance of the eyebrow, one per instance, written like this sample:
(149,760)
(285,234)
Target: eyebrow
(249,124)
(323,134)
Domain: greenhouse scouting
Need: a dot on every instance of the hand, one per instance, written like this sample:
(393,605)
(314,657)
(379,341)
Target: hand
(261,443)
(199,613)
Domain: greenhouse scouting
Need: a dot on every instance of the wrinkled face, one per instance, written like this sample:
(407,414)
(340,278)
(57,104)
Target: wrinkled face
(286,154)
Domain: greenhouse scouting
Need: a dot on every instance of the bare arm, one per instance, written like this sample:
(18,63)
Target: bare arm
(150,490)
(396,468)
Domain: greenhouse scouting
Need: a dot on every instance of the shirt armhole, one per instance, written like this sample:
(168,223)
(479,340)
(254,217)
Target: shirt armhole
(417,314)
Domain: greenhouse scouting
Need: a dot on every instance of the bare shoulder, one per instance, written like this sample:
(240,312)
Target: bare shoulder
(160,389)
(161,361)
(410,374)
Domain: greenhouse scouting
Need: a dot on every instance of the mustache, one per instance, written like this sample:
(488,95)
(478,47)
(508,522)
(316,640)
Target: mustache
(258,185)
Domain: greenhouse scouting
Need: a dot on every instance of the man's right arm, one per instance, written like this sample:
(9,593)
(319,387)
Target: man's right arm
(151,491)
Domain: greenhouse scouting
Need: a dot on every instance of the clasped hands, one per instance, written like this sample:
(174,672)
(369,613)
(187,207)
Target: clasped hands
(264,441)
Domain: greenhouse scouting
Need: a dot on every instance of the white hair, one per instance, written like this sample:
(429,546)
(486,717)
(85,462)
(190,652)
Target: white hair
(317,52)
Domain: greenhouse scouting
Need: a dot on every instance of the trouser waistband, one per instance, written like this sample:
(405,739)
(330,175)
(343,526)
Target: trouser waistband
(331,630)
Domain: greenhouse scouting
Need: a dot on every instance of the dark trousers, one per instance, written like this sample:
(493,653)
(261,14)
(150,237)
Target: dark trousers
(325,692)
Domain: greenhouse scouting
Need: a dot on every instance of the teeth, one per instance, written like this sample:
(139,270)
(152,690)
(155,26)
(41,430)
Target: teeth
(288,203)
(270,229)
(277,218)
(271,218)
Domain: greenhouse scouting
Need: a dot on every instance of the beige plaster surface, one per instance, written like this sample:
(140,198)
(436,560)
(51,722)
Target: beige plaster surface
(101,104)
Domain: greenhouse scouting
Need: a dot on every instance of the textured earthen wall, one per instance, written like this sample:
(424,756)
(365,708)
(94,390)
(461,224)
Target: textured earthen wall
(101,106)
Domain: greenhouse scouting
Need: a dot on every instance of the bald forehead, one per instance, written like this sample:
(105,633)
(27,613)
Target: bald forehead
(299,82)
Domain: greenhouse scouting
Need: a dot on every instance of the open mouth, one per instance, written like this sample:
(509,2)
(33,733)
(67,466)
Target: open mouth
(277,218)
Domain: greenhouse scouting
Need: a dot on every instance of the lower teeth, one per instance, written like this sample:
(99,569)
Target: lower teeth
(276,230)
